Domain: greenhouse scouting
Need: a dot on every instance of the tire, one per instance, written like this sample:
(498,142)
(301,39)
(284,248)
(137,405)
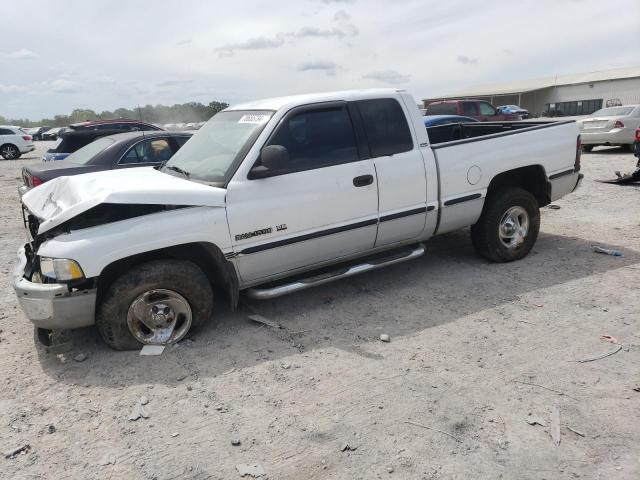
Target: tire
(9,152)
(489,234)
(587,148)
(116,318)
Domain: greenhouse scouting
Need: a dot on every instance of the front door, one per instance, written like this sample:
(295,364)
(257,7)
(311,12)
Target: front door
(322,207)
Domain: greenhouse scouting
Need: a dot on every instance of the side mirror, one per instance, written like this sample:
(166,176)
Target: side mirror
(274,158)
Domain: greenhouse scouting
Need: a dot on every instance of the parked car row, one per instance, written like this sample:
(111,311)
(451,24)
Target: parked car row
(477,109)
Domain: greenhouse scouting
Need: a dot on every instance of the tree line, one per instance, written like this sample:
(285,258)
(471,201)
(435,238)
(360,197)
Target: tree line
(178,113)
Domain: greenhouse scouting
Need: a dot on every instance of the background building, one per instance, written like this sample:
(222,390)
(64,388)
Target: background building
(579,94)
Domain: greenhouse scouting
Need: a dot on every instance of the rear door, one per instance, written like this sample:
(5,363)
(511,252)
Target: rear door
(469,109)
(400,169)
(322,207)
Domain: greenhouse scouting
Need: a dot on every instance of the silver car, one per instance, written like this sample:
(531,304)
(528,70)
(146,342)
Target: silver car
(610,126)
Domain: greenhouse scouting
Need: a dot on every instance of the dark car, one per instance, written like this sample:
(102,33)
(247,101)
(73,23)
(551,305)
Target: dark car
(71,141)
(124,150)
(36,132)
(437,120)
(122,124)
(478,109)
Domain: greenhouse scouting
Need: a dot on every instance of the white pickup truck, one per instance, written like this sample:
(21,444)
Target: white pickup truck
(275,196)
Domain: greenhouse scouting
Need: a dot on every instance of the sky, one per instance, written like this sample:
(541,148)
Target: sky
(64,54)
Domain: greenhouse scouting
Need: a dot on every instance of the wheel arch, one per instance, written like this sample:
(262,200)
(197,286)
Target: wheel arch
(207,256)
(532,178)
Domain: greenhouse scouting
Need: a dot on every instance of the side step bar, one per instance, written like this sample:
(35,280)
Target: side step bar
(302,284)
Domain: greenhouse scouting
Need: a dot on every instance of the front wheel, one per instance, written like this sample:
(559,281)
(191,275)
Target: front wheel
(155,303)
(508,227)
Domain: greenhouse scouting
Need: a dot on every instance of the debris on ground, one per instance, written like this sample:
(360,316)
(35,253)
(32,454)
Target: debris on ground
(108,459)
(390,469)
(175,434)
(16,451)
(346,447)
(138,412)
(144,400)
(554,207)
(636,388)
(152,350)
(555,424)
(80,357)
(577,432)
(235,442)
(607,251)
(624,178)
(434,429)
(51,429)
(604,355)
(533,420)
(254,471)
(384,337)
(264,321)
(609,338)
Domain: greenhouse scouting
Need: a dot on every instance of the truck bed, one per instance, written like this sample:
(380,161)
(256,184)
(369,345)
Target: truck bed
(454,132)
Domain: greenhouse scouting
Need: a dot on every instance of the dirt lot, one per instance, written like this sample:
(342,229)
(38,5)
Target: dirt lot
(476,349)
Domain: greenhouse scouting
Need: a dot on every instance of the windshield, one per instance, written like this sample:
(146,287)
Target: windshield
(212,154)
(86,153)
(612,112)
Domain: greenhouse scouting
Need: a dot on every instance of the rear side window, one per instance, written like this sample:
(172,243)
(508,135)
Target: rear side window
(317,138)
(6,131)
(386,126)
(154,150)
(469,109)
(442,109)
(181,140)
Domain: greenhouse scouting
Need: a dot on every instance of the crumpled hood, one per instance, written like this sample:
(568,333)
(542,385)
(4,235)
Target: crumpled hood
(63,198)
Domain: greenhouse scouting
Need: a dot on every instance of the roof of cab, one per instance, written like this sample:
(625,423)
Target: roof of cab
(294,100)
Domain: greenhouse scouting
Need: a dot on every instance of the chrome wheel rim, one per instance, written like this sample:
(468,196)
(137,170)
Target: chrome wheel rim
(8,152)
(514,227)
(158,317)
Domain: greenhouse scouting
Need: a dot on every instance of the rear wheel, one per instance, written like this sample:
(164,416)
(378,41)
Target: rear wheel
(508,227)
(155,303)
(9,152)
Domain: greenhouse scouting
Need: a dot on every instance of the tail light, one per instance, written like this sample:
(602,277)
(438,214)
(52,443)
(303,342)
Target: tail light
(27,138)
(35,181)
(576,165)
(637,134)
(618,124)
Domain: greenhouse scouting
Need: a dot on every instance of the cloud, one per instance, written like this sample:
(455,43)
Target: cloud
(328,67)
(22,54)
(258,43)
(341,16)
(388,76)
(305,32)
(328,2)
(12,89)
(186,41)
(173,83)
(466,60)
(63,85)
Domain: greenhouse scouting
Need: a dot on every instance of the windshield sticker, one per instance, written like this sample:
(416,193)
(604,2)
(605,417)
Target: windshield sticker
(254,119)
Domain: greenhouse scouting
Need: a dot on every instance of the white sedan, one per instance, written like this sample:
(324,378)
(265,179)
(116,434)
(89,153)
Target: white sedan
(610,126)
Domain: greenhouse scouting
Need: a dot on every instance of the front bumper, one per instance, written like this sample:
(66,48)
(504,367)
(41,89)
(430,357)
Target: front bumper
(617,136)
(52,305)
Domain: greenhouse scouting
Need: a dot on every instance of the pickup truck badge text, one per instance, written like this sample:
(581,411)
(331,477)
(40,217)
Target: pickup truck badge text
(255,233)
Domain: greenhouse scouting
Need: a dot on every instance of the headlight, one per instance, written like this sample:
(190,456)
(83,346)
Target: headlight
(60,269)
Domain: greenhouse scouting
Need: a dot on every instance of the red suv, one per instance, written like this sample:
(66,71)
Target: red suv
(478,109)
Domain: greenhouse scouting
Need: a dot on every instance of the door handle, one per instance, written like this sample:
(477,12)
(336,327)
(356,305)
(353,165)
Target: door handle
(363,180)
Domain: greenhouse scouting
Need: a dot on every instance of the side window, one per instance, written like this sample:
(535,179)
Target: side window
(149,151)
(317,138)
(386,127)
(469,109)
(181,140)
(442,109)
(5,131)
(486,109)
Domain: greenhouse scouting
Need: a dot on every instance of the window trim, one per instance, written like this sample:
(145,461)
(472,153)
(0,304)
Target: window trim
(343,105)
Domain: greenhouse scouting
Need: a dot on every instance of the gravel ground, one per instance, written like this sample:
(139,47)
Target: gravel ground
(476,350)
